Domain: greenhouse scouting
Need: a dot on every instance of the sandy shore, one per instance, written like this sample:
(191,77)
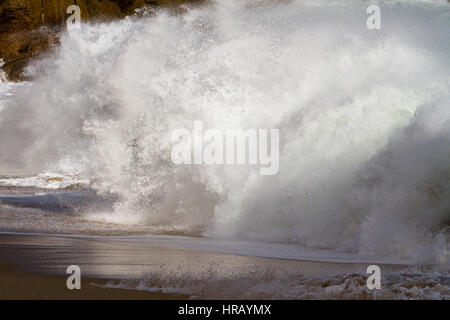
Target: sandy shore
(16,285)
(34,267)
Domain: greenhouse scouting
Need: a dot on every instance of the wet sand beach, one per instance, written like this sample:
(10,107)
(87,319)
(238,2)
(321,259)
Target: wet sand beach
(34,267)
(17,285)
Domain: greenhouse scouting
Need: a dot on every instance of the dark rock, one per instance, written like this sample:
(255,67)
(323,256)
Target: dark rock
(30,27)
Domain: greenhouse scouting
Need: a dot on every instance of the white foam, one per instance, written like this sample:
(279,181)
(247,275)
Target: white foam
(258,283)
(363,117)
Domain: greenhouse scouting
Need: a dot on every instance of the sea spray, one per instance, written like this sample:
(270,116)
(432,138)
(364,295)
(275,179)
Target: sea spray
(363,117)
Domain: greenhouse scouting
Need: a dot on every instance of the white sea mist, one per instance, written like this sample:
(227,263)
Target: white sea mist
(363,116)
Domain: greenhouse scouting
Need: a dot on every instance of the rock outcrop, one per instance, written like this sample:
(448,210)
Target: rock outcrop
(30,27)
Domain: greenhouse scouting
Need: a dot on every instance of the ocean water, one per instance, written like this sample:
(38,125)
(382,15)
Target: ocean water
(364,120)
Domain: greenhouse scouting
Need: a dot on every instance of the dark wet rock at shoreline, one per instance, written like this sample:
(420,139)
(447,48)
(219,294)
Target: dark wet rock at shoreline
(30,27)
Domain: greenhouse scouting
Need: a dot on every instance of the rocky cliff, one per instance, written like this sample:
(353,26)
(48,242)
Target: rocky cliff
(30,27)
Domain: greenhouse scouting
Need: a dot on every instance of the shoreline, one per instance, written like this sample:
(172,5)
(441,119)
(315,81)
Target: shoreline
(34,267)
